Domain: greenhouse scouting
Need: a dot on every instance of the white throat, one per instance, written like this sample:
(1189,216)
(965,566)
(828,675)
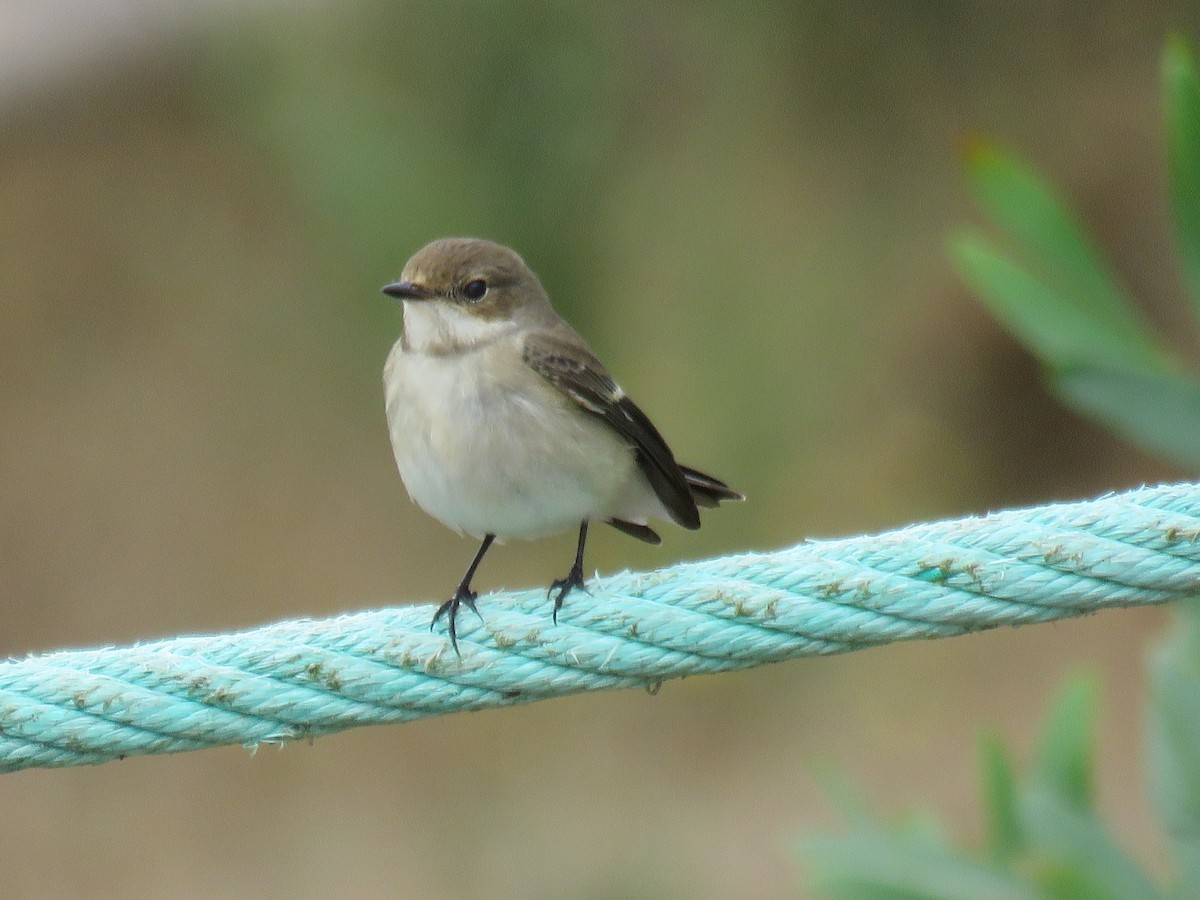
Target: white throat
(433,326)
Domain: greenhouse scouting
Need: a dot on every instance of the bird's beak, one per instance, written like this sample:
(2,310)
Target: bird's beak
(406,290)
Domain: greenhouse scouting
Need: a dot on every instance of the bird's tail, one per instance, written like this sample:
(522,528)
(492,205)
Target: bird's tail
(706,490)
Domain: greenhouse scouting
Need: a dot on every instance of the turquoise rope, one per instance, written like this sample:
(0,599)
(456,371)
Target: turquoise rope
(304,678)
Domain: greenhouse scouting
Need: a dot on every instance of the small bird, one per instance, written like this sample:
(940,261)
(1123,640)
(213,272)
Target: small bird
(505,424)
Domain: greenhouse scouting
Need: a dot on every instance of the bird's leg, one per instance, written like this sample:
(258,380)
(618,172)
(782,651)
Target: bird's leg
(462,594)
(574,578)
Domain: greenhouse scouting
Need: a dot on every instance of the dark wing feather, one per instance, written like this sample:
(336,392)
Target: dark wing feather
(641,532)
(571,367)
(706,490)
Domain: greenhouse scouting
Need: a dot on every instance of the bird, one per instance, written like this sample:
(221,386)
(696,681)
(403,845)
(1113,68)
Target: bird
(504,423)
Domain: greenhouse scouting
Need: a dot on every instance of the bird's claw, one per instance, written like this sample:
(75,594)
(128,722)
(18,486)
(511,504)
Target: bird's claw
(464,595)
(563,587)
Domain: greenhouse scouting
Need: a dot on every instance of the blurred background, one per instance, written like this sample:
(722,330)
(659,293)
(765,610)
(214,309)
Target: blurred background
(744,210)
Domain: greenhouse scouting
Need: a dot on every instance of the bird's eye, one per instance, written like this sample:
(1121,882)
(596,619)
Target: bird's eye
(474,290)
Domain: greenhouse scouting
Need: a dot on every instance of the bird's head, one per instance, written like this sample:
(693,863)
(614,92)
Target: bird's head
(459,292)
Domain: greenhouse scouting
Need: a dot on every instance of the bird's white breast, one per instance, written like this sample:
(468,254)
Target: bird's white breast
(485,445)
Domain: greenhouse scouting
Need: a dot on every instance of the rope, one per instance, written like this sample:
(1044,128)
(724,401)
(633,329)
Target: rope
(299,679)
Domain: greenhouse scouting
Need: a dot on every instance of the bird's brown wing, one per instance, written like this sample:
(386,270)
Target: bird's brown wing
(573,369)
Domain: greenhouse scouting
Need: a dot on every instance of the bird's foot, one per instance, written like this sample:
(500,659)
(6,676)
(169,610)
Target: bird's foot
(560,587)
(462,595)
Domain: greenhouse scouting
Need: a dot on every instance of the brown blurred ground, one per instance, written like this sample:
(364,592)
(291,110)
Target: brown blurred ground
(744,212)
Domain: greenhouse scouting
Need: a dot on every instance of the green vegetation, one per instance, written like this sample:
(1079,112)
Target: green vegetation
(1044,836)
(1058,296)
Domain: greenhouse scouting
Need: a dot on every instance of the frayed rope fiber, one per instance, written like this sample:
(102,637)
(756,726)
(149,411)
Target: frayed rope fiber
(304,678)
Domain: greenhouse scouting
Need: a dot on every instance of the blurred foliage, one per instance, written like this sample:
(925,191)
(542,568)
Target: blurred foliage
(1060,298)
(1044,837)
(370,143)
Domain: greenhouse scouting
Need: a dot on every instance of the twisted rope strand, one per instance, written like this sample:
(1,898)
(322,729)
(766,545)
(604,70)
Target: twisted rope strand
(304,678)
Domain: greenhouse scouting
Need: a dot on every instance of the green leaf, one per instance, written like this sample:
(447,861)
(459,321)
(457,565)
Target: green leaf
(1181,95)
(1075,856)
(1063,766)
(1057,331)
(1174,742)
(1004,836)
(1060,253)
(873,864)
(842,795)
(1158,411)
